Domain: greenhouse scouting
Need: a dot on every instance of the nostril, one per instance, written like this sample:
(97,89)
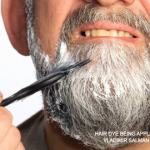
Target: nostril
(134,36)
(83,33)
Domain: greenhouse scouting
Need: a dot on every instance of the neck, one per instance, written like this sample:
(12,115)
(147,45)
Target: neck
(57,140)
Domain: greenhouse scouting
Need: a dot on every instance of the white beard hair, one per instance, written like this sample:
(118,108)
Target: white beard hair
(110,95)
(93,104)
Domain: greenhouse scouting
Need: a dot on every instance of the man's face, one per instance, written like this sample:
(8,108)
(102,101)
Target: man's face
(112,92)
(55,13)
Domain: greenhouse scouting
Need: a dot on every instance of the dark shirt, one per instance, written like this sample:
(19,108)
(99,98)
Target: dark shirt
(33,132)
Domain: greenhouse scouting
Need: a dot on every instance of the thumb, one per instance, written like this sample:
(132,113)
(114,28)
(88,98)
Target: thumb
(1,96)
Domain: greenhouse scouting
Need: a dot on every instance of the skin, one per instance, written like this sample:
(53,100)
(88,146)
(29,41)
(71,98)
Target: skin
(51,21)
(9,133)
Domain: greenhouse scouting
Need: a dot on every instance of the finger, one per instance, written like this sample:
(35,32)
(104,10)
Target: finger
(7,111)
(1,96)
(20,146)
(5,123)
(11,140)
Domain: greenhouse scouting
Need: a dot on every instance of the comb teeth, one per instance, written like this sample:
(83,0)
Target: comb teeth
(69,67)
(78,65)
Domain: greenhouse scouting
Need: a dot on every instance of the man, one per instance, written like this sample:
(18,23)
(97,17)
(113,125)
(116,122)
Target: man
(103,105)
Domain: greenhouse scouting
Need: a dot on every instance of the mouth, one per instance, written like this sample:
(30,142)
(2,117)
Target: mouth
(108,30)
(109,33)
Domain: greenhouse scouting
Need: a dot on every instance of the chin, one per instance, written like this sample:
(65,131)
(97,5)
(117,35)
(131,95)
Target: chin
(108,95)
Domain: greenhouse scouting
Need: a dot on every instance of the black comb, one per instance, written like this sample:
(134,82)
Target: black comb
(56,74)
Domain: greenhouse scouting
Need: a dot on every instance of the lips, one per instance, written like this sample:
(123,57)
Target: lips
(106,29)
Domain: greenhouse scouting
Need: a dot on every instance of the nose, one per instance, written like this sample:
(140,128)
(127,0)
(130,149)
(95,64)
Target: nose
(110,2)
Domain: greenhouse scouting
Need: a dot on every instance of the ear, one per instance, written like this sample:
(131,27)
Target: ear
(14,16)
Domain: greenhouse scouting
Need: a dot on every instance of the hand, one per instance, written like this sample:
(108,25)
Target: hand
(10,137)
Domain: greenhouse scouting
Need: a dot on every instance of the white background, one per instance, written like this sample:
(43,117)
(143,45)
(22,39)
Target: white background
(17,72)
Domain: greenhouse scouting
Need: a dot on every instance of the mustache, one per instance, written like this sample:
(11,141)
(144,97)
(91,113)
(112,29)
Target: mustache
(91,13)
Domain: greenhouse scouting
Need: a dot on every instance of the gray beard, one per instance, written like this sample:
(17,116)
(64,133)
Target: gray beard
(110,94)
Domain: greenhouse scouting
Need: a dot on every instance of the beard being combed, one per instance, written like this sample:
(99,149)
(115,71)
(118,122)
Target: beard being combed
(110,94)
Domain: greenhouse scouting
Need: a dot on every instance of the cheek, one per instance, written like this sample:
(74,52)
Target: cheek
(146,4)
(50,16)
